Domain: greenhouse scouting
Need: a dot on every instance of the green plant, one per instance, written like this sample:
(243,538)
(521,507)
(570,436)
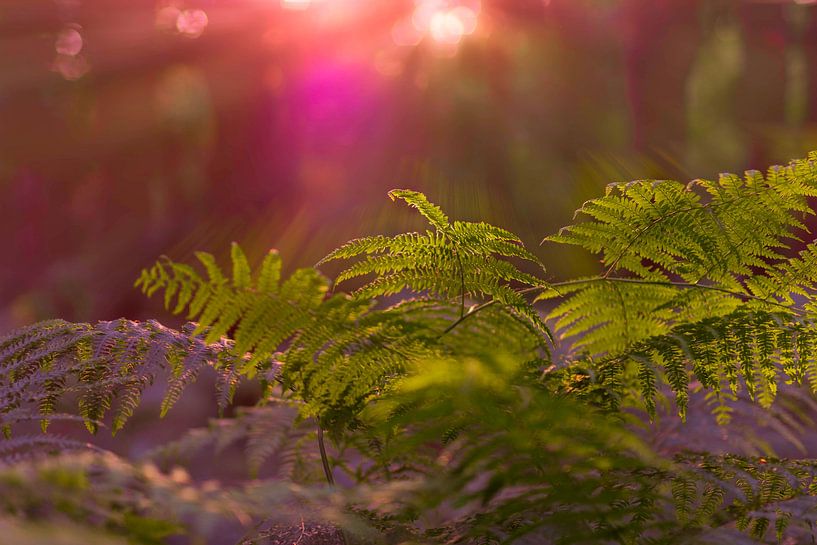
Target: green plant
(461,413)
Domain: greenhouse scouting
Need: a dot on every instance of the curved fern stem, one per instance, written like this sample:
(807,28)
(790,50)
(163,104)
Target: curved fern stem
(327,470)
(682,285)
(569,283)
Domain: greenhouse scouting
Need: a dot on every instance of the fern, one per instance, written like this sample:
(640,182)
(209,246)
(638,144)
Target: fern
(457,260)
(337,352)
(106,366)
(751,350)
(689,253)
(438,384)
(272,437)
(705,232)
(764,495)
(527,463)
(263,311)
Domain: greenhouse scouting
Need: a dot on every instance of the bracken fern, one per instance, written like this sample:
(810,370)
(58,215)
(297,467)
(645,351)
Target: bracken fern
(440,384)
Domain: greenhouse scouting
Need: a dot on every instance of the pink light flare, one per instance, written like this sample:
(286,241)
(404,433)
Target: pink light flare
(69,42)
(447,22)
(191,23)
(446,28)
(68,62)
(70,67)
(467,17)
(296,4)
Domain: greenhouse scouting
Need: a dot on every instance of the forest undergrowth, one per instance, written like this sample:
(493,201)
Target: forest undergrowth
(444,388)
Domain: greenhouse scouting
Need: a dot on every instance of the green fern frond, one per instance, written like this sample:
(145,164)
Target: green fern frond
(688,253)
(459,260)
(262,311)
(338,353)
(684,492)
(755,350)
(794,276)
(337,363)
(704,232)
(505,460)
(431,212)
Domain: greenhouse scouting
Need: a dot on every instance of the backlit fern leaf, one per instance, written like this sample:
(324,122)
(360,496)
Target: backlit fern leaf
(431,212)
(606,316)
(338,353)
(689,253)
(456,260)
(106,365)
(262,312)
(764,348)
(337,363)
(704,232)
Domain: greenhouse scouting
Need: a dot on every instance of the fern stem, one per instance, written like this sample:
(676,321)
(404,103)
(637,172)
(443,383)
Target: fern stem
(327,470)
(681,285)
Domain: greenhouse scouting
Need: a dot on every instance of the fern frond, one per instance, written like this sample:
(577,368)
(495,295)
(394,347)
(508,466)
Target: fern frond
(459,260)
(337,363)
(24,447)
(107,365)
(761,493)
(338,353)
(755,350)
(262,312)
(688,253)
(431,212)
(506,461)
(272,436)
(703,232)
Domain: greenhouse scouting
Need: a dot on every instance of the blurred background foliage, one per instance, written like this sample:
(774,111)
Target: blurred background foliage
(133,128)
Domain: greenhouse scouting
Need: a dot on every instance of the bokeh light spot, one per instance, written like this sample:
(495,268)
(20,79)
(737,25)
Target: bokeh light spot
(446,21)
(446,27)
(192,22)
(296,4)
(69,42)
(71,67)
(424,12)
